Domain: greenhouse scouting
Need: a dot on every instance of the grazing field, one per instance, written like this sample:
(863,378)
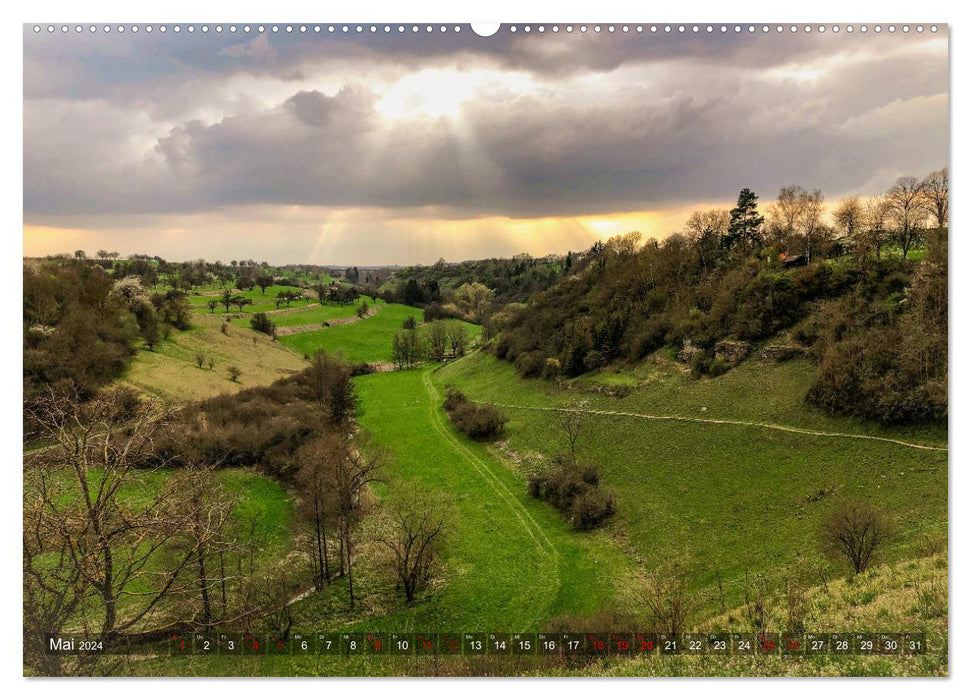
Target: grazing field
(171,371)
(722,499)
(368,340)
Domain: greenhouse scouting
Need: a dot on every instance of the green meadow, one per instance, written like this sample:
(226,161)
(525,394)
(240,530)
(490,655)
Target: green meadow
(497,533)
(511,563)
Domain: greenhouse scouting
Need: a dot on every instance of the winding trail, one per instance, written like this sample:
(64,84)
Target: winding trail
(720,421)
(534,530)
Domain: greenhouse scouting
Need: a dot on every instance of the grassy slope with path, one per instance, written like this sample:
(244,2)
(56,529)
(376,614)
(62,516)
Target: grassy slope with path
(724,498)
(512,563)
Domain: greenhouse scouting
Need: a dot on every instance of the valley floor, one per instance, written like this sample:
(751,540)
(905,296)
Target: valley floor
(725,479)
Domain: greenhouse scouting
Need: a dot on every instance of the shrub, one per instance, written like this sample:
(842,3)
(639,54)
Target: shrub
(551,368)
(594,360)
(718,367)
(530,364)
(650,337)
(262,323)
(700,362)
(590,508)
(855,530)
(574,490)
(500,348)
(234,372)
(477,420)
(453,399)
(261,427)
(361,368)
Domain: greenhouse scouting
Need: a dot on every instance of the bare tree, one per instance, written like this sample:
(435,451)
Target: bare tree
(352,468)
(102,542)
(873,234)
(330,381)
(784,214)
(908,209)
(209,509)
(572,421)
(412,525)
(810,222)
(935,188)
(53,589)
(855,530)
(318,501)
(667,602)
(797,214)
(849,217)
(706,230)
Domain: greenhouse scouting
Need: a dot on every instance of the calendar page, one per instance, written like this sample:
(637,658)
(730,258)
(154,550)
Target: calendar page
(550,349)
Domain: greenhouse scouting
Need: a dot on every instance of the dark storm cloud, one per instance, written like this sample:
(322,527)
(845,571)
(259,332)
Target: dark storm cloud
(613,122)
(94,65)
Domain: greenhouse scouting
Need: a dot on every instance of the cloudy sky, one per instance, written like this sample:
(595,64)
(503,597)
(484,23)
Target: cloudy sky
(393,149)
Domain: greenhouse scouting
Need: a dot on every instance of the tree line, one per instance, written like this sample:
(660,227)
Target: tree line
(509,279)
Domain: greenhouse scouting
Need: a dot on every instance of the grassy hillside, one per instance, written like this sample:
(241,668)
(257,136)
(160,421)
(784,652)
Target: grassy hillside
(909,595)
(722,499)
(170,371)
